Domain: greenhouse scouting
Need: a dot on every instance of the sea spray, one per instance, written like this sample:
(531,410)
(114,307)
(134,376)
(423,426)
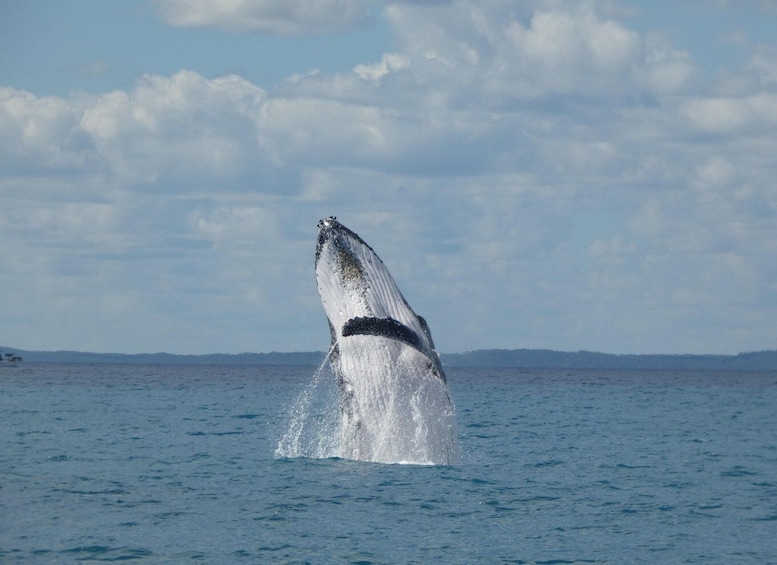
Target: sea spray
(313,419)
(395,413)
(398,415)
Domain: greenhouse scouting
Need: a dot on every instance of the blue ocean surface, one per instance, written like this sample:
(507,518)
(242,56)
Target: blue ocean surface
(177,464)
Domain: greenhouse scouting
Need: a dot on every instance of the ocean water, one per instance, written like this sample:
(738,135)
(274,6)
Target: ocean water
(177,464)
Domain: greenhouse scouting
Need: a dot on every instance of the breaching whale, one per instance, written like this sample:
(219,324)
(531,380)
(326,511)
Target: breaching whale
(395,402)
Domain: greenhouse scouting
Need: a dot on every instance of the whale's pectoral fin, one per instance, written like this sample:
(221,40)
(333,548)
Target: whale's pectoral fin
(382,327)
(427,331)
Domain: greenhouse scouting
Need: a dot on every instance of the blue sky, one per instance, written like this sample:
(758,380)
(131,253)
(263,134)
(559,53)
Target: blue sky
(54,48)
(543,174)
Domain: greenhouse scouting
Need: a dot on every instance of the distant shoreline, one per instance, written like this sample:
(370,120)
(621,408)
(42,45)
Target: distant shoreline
(484,358)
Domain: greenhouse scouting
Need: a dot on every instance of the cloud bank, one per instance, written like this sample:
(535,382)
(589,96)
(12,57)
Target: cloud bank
(534,175)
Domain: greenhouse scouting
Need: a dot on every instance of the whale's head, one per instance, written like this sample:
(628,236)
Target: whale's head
(341,253)
(344,263)
(359,295)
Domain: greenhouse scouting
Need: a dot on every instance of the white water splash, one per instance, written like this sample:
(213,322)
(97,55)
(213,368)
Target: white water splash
(397,413)
(314,419)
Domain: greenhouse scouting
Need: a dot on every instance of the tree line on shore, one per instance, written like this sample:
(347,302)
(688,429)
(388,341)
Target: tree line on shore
(508,358)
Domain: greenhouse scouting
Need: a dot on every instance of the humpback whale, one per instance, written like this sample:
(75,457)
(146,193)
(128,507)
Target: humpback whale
(395,402)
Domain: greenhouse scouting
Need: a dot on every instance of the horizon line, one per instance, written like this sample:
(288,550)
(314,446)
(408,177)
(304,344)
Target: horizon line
(4,349)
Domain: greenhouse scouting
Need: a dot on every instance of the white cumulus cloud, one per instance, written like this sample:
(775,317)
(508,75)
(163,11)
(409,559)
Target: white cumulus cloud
(278,17)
